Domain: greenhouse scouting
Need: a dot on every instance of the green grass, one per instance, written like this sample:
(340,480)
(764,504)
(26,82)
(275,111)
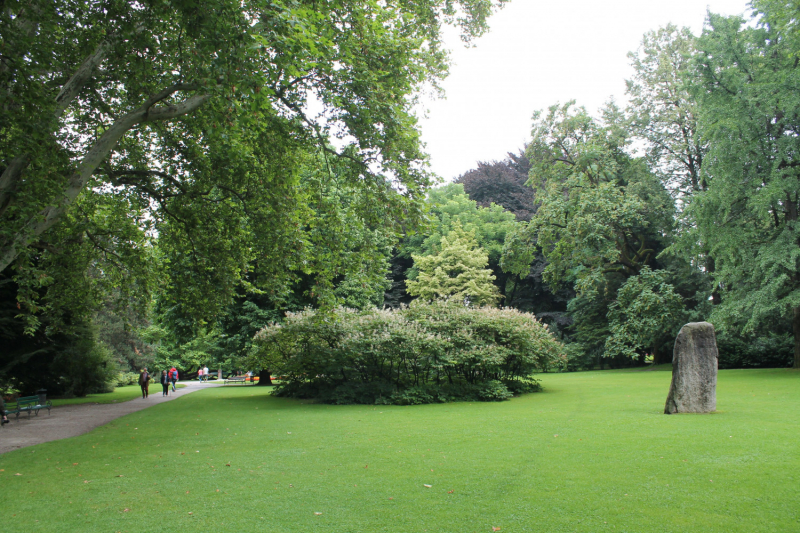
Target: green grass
(592,453)
(120,394)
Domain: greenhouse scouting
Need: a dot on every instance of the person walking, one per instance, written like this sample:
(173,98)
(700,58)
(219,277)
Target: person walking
(200,374)
(165,383)
(173,374)
(144,383)
(205,373)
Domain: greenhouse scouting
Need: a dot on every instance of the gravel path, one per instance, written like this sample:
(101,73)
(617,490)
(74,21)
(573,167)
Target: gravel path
(73,420)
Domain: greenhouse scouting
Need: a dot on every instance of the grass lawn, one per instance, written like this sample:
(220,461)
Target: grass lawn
(592,453)
(120,394)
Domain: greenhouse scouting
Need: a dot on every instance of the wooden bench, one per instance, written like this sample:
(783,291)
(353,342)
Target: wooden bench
(236,379)
(30,404)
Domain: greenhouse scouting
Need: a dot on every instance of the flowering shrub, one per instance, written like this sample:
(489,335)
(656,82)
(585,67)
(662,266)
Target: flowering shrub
(426,352)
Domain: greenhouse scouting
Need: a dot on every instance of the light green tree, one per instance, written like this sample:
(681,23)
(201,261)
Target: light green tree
(457,270)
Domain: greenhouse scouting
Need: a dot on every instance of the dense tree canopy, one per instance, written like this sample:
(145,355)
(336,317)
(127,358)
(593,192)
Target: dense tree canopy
(750,114)
(124,120)
(175,175)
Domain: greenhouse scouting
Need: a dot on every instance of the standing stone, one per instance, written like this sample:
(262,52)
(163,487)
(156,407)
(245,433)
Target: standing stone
(694,370)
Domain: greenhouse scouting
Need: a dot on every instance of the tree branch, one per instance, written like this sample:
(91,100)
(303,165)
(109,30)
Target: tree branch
(96,155)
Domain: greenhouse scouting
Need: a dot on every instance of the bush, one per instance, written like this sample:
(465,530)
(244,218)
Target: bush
(424,353)
(86,367)
(773,350)
(493,391)
(127,378)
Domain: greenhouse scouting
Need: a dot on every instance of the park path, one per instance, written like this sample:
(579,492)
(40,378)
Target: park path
(72,420)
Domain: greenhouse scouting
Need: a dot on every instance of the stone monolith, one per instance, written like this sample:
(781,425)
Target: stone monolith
(694,370)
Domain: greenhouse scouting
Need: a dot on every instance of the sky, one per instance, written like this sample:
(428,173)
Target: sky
(536,54)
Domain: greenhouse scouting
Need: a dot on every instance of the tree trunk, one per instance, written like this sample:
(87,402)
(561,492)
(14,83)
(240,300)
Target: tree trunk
(711,266)
(656,355)
(796,331)
(264,377)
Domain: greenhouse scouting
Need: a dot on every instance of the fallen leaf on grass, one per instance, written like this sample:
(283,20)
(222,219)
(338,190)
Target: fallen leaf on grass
(428,486)
(449,492)
(74,464)
(316,513)
(497,528)
(125,510)
(17,474)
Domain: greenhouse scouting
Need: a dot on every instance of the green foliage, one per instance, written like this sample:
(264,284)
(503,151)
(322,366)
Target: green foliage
(450,207)
(603,218)
(601,210)
(438,351)
(646,312)
(458,271)
(127,378)
(769,350)
(664,113)
(750,114)
(119,328)
(127,121)
(84,367)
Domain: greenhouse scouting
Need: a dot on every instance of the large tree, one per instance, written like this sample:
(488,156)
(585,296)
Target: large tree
(124,120)
(501,183)
(750,115)
(602,211)
(602,218)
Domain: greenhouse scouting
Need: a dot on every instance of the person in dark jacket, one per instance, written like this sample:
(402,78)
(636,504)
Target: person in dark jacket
(165,383)
(144,383)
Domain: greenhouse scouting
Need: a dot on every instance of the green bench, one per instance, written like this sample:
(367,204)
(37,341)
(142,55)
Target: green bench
(29,404)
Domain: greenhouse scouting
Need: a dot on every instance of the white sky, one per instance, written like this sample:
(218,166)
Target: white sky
(536,54)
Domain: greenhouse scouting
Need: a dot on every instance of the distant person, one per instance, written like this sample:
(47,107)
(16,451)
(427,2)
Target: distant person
(165,382)
(3,412)
(144,383)
(173,372)
(249,376)
(200,374)
(205,373)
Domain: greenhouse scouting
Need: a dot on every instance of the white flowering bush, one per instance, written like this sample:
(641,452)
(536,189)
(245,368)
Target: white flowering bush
(426,352)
